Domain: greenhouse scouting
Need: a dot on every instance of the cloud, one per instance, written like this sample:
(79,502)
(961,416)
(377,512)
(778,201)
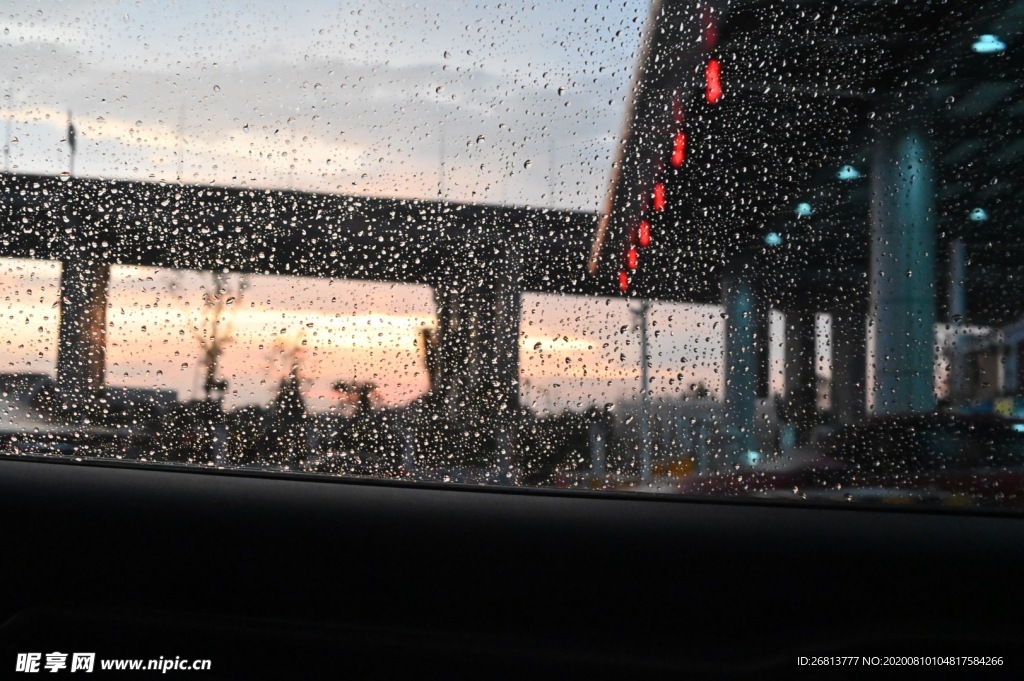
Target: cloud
(328,98)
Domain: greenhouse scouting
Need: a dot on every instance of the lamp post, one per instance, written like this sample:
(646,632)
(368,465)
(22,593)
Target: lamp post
(640,314)
(72,144)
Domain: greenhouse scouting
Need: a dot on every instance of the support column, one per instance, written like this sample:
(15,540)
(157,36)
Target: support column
(740,358)
(902,275)
(1011,369)
(849,359)
(81,346)
(959,392)
(800,406)
(597,436)
(646,446)
(477,355)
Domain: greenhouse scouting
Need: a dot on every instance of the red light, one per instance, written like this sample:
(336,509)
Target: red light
(709,23)
(632,258)
(659,197)
(679,150)
(644,234)
(713,78)
(623,281)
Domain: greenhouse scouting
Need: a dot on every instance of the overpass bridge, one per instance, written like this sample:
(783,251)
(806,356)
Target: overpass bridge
(478,259)
(859,158)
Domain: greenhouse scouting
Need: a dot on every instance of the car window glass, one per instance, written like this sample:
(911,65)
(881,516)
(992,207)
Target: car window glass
(729,247)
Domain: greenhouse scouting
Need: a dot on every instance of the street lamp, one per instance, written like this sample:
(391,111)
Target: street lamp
(640,314)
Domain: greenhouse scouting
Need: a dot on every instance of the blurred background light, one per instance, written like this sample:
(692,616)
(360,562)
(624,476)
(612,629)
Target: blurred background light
(848,172)
(988,44)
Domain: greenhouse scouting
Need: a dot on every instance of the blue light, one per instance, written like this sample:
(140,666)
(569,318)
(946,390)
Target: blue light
(1018,427)
(773,239)
(979,215)
(988,44)
(803,210)
(752,458)
(848,172)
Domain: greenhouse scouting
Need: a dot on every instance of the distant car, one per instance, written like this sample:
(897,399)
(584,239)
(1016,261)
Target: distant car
(78,441)
(956,459)
(760,475)
(568,478)
(936,458)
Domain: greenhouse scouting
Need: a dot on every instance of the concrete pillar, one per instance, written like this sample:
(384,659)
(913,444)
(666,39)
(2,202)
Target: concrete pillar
(957,299)
(902,275)
(1000,352)
(645,445)
(740,358)
(763,344)
(477,351)
(597,435)
(81,346)
(801,408)
(1011,359)
(849,357)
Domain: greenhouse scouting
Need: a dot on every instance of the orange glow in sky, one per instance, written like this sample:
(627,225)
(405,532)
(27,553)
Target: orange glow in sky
(574,351)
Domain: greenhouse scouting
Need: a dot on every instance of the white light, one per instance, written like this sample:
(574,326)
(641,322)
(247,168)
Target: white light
(988,44)
(803,210)
(848,172)
(979,215)
(773,239)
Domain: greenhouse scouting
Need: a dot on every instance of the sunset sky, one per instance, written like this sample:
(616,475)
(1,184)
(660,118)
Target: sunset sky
(574,351)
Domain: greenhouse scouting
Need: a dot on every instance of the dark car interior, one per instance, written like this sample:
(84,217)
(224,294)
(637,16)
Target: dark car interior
(277,578)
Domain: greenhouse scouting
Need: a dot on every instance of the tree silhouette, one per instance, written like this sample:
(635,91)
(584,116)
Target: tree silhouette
(214,329)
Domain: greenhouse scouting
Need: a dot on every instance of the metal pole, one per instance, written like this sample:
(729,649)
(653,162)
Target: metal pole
(7,146)
(957,315)
(645,430)
(441,188)
(7,131)
(72,144)
(551,170)
(181,140)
